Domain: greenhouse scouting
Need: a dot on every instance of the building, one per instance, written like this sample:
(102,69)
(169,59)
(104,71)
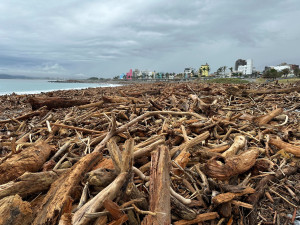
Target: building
(204,70)
(135,74)
(283,66)
(129,75)
(189,72)
(246,69)
(239,62)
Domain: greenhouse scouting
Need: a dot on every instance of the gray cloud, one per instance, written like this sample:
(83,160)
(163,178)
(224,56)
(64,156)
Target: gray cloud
(105,38)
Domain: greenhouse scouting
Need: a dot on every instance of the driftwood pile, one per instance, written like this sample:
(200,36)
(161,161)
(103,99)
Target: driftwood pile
(151,154)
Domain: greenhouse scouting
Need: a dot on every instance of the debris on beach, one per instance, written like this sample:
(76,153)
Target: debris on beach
(159,153)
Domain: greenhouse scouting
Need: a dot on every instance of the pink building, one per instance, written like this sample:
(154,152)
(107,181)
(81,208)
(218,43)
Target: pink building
(129,75)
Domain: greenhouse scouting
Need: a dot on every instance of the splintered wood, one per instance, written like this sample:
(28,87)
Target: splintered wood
(163,153)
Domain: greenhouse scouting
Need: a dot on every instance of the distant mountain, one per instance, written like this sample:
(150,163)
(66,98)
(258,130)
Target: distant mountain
(6,76)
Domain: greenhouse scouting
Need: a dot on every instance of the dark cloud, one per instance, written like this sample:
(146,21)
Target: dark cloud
(109,37)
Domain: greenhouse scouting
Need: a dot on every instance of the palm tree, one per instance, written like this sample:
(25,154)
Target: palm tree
(224,69)
(208,69)
(203,70)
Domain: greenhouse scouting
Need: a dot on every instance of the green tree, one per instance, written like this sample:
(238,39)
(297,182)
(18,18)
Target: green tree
(224,69)
(231,69)
(208,69)
(219,70)
(93,78)
(200,72)
(285,72)
(271,73)
(297,72)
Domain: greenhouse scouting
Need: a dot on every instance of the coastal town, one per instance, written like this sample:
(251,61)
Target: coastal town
(242,69)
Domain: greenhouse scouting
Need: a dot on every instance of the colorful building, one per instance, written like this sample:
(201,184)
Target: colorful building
(204,70)
(129,75)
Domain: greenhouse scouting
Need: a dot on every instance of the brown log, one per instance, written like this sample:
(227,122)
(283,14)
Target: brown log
(182,160)
(59,198)
(272,91)
(224,168)
(54,102)
(30,159)
(262,120)
(91,105)
(14,211)
(159,188)
(29,183)
(293,149)
(200,218)
(219,149)
(124,163)
(100,178)
(226,197)
(181,210)
(24,117)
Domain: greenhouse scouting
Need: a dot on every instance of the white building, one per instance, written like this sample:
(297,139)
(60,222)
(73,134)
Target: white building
(280,68)
(246,69)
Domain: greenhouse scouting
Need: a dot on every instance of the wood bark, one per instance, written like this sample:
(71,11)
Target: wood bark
(295,150)
(29,183)
(54,102)
(159,188)
(224,168)
(30,159)
(124,164)
(14,211)
(262,120)
(272,91)
(200,218)
(181,210)
(59,198)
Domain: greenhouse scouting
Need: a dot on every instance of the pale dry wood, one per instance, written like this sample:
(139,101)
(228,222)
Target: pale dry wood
(91,105)
(111,191)
(84,130)
(238,144)
(159,188)
(268,117)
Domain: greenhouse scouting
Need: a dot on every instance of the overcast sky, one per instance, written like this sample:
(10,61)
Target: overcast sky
(73,38)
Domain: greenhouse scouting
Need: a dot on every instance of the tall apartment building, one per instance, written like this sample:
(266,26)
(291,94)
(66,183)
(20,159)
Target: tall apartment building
(246,69)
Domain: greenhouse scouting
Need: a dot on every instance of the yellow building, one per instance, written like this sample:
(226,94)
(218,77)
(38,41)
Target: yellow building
(204,70)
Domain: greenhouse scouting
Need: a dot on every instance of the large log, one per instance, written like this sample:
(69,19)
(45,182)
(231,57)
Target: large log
(272,91)
(29,183)
(224,168)
(200,218)
(262,120)
(30,159)
(295,150)
(54,102)
(59,198)
(14,211)
(123,162)
(159,188)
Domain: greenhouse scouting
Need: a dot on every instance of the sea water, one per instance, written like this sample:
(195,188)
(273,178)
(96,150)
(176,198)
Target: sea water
(31,86)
